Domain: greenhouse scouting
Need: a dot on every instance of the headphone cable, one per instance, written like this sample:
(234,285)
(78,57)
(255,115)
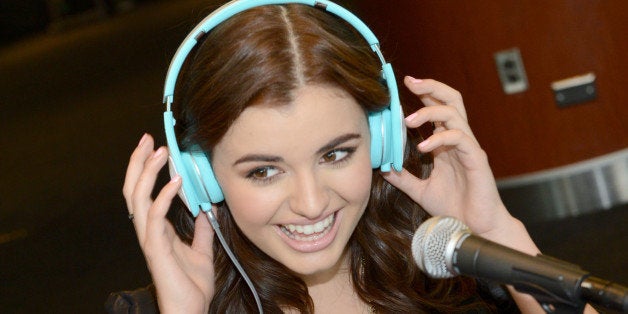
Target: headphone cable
(214,223)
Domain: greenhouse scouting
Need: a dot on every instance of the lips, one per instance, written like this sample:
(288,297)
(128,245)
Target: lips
(310,238)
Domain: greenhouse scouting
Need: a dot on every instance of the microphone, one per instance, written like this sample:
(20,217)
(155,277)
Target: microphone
(444,247)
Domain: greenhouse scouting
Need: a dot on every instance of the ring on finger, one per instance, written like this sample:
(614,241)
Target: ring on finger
(438,124)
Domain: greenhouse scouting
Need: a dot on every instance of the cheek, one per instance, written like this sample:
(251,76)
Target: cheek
(250,206)
(364,182)
(355,184)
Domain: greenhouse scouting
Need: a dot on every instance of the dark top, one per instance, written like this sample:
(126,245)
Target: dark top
(144,300)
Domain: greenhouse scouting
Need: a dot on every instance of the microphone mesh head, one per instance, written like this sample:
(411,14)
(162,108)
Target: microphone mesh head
(431,245)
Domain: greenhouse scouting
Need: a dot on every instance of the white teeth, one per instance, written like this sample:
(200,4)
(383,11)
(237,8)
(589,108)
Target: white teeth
(309,229)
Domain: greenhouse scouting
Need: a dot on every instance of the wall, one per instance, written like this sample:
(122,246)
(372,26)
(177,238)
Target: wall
(454,41)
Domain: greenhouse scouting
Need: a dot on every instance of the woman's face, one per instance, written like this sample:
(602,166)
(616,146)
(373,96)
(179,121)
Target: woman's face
(297,177)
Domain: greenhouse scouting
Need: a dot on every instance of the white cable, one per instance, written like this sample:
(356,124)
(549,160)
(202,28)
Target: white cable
(214,223)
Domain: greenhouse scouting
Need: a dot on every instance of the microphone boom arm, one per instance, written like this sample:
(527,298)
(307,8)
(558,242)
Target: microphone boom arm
(559,286)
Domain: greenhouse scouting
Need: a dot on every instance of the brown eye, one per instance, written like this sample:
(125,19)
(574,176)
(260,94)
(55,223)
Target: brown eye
(330,157)
(263,174)
(337,155)
(260,173)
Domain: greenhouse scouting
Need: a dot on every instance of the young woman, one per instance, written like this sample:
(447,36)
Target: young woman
(278,97)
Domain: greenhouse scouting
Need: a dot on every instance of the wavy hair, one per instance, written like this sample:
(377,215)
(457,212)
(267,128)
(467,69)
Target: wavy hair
(263,55)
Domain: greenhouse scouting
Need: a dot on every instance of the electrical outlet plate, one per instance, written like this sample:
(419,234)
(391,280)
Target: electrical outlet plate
(511,71)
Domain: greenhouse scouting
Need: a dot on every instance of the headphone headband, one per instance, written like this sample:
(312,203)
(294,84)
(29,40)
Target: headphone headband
(236,6)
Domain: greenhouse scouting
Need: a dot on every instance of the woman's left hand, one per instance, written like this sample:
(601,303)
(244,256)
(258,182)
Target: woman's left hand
(461,184)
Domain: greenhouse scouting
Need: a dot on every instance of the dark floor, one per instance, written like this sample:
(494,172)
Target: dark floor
(72,107)
(597,242)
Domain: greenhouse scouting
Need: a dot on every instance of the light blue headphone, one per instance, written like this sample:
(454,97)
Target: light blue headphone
(200,187)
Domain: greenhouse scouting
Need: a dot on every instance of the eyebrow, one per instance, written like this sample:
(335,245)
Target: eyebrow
(337,141)
(325,148)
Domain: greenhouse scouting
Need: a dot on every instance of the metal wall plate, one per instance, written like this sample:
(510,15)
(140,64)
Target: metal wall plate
(575,90)
(511,71)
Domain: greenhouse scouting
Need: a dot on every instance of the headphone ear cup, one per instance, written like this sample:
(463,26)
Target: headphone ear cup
(388,129)
(191,192)
(180,163)
(172,169)
(387,141)
(395,127)
(199,183)
(207,177)
(376,128)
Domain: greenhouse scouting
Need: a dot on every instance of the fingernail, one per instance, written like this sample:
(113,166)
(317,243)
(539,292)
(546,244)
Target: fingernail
(176,178)
(415,80)
(411,117)
(158,153)
(142,140)
(424,144)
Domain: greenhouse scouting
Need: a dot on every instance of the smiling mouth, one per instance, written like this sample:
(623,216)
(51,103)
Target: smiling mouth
(309,232)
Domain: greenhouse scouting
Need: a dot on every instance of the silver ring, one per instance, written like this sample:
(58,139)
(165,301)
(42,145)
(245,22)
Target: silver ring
(131,216)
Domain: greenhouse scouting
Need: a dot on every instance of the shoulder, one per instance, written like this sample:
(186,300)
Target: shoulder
(140,301)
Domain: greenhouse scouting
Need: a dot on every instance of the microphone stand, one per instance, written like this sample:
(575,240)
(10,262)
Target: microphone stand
(570,291)
(560,287)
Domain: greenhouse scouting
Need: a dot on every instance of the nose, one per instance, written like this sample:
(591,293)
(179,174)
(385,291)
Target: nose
(309,195)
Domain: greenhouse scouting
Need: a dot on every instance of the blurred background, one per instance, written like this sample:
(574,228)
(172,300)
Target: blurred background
(81,81)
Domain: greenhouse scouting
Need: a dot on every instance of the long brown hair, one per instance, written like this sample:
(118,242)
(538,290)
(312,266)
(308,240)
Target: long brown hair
(263,55)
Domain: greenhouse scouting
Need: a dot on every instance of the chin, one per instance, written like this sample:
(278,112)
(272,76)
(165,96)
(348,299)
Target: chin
(318,266)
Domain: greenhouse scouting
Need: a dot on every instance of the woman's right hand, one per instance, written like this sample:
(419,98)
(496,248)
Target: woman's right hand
(183,275)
